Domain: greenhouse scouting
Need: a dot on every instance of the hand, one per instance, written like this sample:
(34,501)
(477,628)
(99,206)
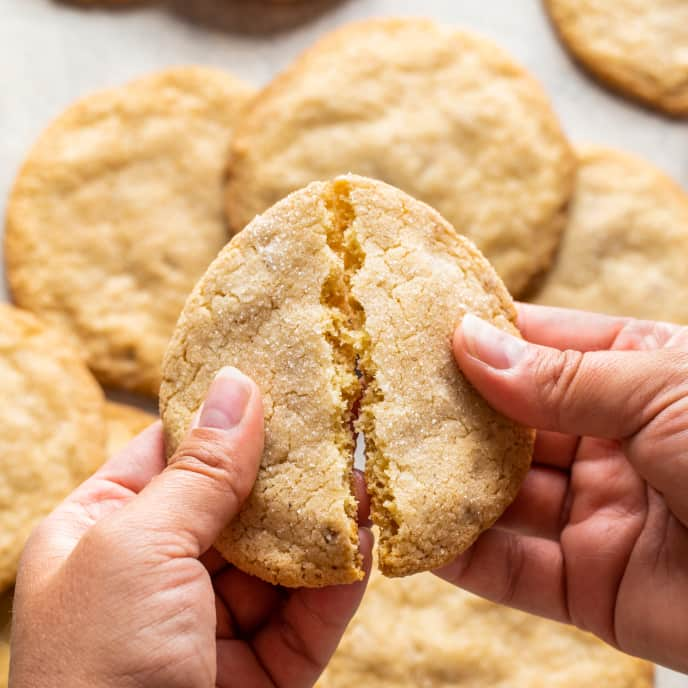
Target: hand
(119,586)
(598,535)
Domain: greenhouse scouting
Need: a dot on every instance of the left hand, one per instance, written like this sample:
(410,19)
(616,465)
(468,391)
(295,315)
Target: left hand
(119,586)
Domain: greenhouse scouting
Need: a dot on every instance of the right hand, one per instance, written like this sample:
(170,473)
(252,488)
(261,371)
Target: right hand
(598,535)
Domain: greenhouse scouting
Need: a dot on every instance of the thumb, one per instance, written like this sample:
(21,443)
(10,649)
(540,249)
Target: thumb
(211,473)
(606,394)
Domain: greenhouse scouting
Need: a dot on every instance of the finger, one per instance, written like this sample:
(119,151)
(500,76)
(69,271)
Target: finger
(564,328)
(658,453)
(224,624)
(249,600)
(541,506)
(108,490)
(607,394)
(210,475)
(237,665)
(515,570)
(555,449)
(297,643)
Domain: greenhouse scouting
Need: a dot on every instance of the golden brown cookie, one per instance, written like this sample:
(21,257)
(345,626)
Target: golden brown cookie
(421,631)
(51,428)
(5,621)
(639,47)
(344,277)
(624,247)
(442,114)
(118,211)
(123,423)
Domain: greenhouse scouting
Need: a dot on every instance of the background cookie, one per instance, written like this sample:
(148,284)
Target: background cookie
(625,245)
(118,210)
(51,428)
(123,423)
(340,272)
(5,619)
(638,47)
(421,631)
(442,114)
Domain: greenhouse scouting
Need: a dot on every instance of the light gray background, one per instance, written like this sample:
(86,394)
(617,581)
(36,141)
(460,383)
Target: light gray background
(52,53)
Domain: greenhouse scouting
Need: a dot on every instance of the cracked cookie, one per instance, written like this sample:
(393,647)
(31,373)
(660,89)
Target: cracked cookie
(339,280)
(422,631)
(51,428)
(123,423)
(624,245)
(118,211)
(640,48)
(442,114)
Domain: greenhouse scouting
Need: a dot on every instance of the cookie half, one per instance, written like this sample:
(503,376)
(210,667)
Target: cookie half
(339,280)
(624,246)
(445,115)
(123,423)
(118,211)
(51,429)
(638,47)
(422,631)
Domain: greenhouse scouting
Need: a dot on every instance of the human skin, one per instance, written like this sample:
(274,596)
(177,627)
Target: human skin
(598,535)
(111,591)
(119,587)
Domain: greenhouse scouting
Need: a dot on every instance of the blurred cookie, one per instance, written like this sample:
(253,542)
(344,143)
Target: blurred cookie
(51,429)
(636,46)
(625,245)
(123,423)
(442,114)
(5,621)
(118,210)
(421,631)
(344,277)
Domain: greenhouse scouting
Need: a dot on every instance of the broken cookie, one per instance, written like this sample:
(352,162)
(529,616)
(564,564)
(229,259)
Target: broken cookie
(344,296)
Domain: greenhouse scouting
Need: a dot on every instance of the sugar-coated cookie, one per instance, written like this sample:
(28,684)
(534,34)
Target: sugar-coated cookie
(346,277)
(421,631)
(442,114)
(639,47)
(51,429)
(117,211)
(625,244)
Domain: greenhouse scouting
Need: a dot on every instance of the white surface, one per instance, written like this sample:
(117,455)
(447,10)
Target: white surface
(52,53)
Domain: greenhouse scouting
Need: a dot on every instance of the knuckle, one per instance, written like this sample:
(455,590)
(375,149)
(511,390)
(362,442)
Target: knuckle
(104,542)
(514,560)
(214,461)
(557,378)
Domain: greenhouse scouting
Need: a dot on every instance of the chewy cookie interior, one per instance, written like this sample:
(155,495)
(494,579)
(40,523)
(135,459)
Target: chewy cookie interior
(352,344)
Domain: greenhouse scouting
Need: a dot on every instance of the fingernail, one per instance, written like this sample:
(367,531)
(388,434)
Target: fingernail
(492,346)
(226,401)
